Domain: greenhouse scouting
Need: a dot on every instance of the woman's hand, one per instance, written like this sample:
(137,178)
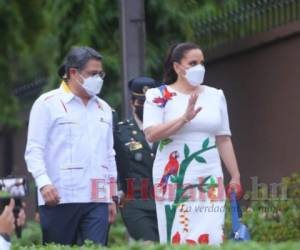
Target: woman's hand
(191,111)
(235,185)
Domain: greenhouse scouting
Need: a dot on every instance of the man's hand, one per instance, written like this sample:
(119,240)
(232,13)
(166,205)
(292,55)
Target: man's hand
(112,212)
(50,195)
(7,220)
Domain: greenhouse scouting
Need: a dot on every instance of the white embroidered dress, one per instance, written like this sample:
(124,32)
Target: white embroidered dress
(187,172)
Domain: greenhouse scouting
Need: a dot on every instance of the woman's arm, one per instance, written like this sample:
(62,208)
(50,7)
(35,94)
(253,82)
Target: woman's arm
(164,130)
(227,154)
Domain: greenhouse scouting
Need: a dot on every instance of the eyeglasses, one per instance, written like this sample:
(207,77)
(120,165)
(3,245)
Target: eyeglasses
(94,73)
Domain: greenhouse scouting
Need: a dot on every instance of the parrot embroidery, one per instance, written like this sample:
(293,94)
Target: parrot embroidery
(170,169)
(166,96)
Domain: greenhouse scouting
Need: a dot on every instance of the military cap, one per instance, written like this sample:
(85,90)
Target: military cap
(139,86)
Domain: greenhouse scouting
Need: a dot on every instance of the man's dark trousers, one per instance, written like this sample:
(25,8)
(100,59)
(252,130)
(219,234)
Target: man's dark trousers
(73,223)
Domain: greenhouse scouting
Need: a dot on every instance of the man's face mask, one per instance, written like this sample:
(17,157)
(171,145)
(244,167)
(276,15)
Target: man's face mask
(92,85)
(139,109)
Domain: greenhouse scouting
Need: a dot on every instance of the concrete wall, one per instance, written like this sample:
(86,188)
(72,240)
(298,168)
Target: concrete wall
(262,86)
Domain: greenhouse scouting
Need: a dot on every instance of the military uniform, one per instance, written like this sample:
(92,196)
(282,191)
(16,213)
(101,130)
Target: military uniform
(134,157)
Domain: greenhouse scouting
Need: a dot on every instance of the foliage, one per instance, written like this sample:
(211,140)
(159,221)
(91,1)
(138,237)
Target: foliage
(38,34)
(139,245)
(180,196)
(275,217)
(31,235)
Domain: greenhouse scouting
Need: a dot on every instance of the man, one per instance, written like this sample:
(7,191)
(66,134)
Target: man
(70,153)
(135,157)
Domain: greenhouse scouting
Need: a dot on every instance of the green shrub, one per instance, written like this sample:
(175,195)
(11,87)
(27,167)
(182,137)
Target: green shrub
(138,246)
(268,218)
(273,217)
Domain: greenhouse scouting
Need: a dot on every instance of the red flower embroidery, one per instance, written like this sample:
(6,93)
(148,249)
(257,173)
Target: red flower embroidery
(166,96)
(176,238)
(203,239)
(191,242)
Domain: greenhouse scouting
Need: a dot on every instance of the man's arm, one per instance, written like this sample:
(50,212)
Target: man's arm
(38,130)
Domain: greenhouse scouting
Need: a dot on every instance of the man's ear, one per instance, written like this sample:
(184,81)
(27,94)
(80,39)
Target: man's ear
(72,72)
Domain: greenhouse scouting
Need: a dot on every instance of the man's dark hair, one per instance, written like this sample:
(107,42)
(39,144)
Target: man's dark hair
(77,58)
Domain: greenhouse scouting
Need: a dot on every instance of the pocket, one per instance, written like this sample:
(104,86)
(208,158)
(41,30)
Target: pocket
(102,128)
(72,177)
(69,128)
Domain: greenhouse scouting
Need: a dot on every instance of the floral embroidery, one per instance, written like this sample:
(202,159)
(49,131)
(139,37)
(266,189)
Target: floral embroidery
(203,239)
(184,220)
(177,176)
(163,143)
(166,96)
(191,242)
(176,238)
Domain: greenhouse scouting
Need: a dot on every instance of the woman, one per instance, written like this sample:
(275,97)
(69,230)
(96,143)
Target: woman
(191,122)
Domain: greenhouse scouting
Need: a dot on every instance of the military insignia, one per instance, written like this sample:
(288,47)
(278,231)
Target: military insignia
(134,145)
(145,89)
(138,156)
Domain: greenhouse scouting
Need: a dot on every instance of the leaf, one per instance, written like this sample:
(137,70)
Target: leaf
(179,179)
(200,159)
(186,151)
(174,179)
(203,187)
(205,143)
(164,142)
(184,199)
(161,145)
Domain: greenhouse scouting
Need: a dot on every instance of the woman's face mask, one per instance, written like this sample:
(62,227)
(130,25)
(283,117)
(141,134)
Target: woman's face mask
(195,75)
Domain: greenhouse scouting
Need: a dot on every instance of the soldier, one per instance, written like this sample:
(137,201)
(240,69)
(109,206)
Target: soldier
(134,156)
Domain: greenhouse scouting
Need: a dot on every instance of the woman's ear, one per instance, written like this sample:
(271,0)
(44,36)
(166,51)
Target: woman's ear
(178,68)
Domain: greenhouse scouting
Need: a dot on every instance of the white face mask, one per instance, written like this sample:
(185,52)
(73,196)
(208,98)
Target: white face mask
(92,85)
(195,75)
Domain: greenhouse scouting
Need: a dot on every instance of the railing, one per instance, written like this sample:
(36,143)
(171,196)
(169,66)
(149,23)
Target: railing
(245,19)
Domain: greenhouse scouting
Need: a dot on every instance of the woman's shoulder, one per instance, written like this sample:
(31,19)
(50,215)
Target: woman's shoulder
(156,91)
(213,91)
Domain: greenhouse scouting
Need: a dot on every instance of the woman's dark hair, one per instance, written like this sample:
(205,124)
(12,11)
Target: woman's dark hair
(175,54)
(77,58)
